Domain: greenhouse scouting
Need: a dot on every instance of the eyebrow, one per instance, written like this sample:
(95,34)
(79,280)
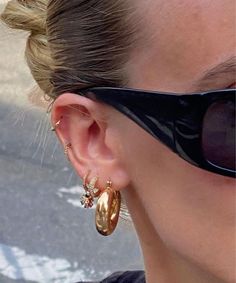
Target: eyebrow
(225,68)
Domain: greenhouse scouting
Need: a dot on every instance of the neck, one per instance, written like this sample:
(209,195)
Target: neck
(162,265)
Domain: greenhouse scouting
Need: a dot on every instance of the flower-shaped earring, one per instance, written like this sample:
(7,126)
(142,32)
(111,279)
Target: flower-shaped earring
(87,199)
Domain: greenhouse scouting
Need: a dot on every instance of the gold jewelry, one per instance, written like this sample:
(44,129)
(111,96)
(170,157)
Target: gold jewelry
(66,148)
(56,125)
(107,210)
(91,192)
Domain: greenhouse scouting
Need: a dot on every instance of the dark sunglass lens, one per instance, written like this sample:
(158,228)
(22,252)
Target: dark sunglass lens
(218,134)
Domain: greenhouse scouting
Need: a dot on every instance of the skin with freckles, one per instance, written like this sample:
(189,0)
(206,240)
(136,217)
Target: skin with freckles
(184,216)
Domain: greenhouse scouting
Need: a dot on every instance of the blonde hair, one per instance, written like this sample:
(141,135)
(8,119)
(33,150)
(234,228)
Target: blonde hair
(75,44)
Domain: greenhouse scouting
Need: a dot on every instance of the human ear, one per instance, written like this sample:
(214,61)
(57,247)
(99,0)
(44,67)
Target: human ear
(85,125)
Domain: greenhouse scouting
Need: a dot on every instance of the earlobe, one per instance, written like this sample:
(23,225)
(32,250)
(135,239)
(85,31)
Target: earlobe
(76,120)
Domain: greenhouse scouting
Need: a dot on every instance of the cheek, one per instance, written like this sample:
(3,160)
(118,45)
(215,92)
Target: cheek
(192,210)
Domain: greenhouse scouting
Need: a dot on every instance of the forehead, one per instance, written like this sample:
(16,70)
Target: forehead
(182,38)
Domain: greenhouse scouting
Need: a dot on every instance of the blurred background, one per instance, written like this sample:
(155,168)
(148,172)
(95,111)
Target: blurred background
(45,234)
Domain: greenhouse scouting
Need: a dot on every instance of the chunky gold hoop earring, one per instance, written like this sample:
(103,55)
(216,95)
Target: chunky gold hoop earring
(91,192)
(108,210)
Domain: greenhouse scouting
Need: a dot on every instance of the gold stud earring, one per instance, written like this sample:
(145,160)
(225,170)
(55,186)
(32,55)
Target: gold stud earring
(108,210)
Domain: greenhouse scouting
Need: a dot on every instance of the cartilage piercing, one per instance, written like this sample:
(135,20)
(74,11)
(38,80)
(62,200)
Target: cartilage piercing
(56,125)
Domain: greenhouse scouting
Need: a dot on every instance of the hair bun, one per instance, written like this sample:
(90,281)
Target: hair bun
(26,15)
(30,15)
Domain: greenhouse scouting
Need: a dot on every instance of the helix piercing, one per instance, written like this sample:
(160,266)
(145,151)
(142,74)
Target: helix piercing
(56,125)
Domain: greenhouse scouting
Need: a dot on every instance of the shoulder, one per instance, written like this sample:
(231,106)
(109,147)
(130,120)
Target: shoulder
(137,276)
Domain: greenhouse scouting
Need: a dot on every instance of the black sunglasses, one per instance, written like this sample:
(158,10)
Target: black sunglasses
(199,127)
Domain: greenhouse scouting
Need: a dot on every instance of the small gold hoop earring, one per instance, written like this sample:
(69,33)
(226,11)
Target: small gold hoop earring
(53,129)
(108,210)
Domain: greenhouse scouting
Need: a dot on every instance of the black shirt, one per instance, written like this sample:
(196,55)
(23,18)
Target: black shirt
(137,276)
